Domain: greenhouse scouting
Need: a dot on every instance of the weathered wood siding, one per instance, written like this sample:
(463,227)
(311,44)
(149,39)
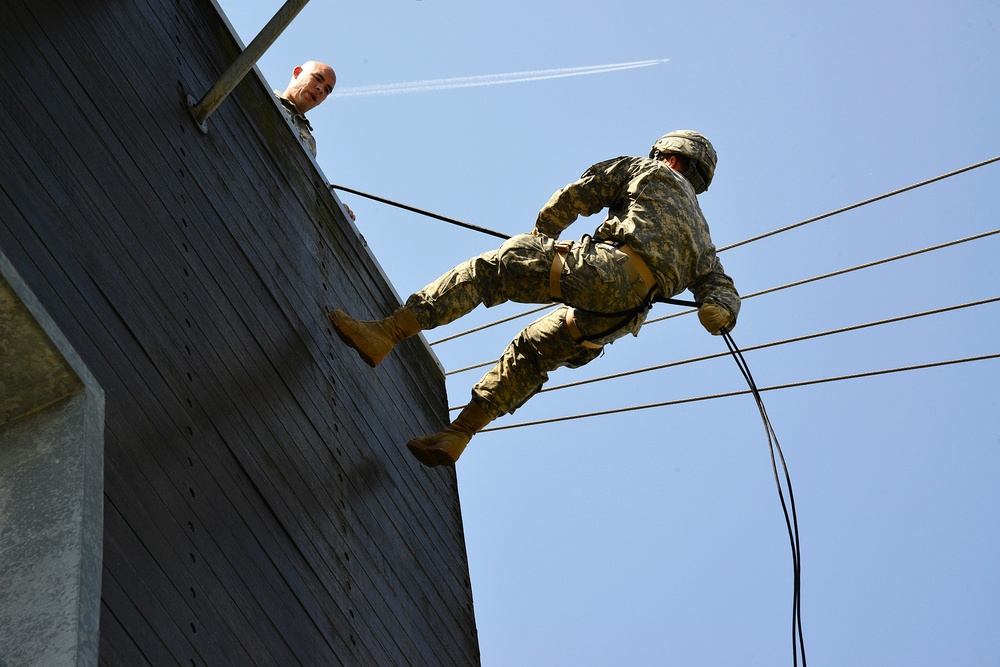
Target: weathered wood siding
(260,507)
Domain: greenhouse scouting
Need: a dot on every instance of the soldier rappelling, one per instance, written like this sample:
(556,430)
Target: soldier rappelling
(654,244)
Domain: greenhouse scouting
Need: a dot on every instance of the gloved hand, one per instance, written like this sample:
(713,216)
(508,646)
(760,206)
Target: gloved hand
(713,317)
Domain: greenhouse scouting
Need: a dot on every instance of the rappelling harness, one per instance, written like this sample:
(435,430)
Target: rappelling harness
(639,276)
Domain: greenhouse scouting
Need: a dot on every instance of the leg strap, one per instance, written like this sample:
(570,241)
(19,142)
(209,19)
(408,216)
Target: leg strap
(575,332)
(555,275)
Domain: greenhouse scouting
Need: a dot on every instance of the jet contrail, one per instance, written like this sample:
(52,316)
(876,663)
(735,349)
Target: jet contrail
(487,79)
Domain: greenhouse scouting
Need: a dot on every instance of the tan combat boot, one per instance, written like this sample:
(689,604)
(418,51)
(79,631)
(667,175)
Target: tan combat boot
(374,339)
(444,448)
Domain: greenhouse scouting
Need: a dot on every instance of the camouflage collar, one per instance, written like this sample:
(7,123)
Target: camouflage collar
(287,103)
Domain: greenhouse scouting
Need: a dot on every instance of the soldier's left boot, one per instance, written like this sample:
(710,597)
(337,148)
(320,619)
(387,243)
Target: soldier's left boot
(444,448)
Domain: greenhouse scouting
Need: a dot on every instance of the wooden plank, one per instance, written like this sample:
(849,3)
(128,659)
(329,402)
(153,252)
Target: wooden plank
(117,648)
(139,608)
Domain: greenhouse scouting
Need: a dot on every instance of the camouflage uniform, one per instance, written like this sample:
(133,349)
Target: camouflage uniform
(651,207)
(300,122)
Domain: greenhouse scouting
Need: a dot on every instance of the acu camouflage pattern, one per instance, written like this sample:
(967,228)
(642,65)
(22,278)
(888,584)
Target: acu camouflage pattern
(654,210)
(593,278)
(651,207)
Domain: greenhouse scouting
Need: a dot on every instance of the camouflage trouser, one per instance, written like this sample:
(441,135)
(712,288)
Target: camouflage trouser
(594,281)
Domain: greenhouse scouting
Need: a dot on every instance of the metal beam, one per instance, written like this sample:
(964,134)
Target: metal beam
(244,62)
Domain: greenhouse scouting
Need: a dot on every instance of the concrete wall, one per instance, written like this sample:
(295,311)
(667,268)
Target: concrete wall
(51,488)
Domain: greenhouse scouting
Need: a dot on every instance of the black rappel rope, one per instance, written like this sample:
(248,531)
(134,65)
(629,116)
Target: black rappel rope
(413,209)
(788,508)
(791,518)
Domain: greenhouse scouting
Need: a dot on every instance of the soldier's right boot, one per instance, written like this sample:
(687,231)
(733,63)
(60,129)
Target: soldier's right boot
(444,448)
(373,339)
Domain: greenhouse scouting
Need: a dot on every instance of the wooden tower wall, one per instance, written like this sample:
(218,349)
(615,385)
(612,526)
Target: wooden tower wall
(260,507)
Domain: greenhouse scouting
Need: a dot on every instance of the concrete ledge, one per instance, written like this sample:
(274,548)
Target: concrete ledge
(51,488)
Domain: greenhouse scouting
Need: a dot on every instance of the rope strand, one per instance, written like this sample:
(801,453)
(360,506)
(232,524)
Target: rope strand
(762,346)
(862,203)
(790,385)
(841,272)
(706,357)
(791,515)
(491,324)
(429,214)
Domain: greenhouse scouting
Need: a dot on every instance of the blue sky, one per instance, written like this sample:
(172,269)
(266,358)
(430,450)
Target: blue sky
(656,537)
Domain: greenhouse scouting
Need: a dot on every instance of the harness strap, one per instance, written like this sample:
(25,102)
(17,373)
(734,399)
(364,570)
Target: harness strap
(575,332)
(555,275)
(635,263)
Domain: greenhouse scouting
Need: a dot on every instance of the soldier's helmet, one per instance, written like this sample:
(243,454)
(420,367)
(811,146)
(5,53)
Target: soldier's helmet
(697,149)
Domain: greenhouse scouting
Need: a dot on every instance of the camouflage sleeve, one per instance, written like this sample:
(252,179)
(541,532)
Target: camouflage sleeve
(720,288)
(597,189)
